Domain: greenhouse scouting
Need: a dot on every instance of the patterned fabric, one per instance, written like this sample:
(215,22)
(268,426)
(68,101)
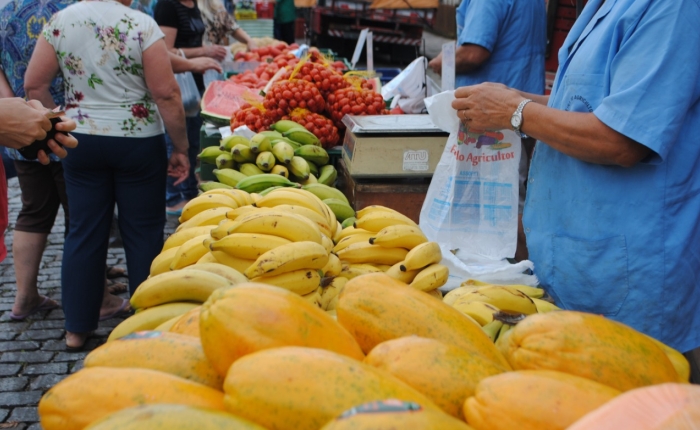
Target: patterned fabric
(21,22)
(220,28)
(99,46)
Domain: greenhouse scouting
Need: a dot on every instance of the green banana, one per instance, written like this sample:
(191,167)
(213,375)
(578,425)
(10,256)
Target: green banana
(313,169)
(250,169)
(348,222)
(283,152)
(242,154)
(284,125)
(341,209)
(327,175)
(310,180)
(299,168)
(228,142)
(260,143)
(265,161)
(302,136)
(229,177)
(293,144)
(492,329)
(267,190)
(209,154)
(212,185)
(224,161)
(258,183)
(272,134)
(324,192)
(280,169)
(313,154)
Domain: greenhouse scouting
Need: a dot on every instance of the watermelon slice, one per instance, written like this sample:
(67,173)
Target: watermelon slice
(222,99)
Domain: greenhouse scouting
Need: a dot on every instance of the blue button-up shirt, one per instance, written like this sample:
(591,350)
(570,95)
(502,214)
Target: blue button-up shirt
(514,32)
(625,242)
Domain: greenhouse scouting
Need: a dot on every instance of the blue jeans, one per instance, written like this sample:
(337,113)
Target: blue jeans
(102,171)
(187,190)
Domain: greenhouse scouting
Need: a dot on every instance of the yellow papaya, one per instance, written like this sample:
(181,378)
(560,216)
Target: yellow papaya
(304,388)
(590,346)
(172,353)
(93,393)
(249,317)
(392,415)
(376,308)
(534,400)
(188,323)
(172,417)
(445,373)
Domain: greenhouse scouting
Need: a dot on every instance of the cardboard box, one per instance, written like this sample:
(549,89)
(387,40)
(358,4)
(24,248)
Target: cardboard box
(392,146)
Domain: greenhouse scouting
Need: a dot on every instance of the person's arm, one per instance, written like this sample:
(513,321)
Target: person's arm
(42,69)
(195,65)
(216,52)
(468,57)
(579,135)
(161,82)
(5,89)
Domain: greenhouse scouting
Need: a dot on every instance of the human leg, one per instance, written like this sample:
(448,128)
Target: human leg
(41,187)
(139,192)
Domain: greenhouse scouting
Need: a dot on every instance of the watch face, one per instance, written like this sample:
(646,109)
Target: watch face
(515,121)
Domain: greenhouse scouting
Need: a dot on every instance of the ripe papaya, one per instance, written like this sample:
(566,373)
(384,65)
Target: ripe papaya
(188,323)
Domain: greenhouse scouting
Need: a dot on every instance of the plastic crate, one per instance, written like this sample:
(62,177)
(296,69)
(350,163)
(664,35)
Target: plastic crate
(206,171)
(385,74)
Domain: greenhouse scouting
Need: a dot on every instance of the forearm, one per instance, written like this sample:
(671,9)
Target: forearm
(40,92)
(240,35)
(191,52)
(469,57)
(173,114)
(581,135)
(5,89)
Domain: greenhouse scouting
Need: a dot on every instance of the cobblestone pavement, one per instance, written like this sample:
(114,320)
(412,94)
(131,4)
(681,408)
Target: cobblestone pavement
(32,356)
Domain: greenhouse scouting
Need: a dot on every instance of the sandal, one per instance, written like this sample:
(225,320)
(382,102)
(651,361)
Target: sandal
(115,287)
(46,304)
(123,310)
(115,272)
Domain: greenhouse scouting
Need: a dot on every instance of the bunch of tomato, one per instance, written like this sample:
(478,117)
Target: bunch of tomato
(317,124)
(251,116)
(326,79)
(285,96)
(354,101)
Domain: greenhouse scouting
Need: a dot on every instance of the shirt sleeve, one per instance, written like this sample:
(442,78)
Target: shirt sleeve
(655,76)
(151,32)
(165,14)
(482,22)
(52,31)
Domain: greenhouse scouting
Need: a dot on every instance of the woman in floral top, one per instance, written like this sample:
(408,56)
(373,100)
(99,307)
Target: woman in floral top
(119,92)
(221,25)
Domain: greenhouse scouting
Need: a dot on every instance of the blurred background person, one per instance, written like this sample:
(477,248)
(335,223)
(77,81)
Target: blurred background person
(116,89)
(220,25)
(284,21)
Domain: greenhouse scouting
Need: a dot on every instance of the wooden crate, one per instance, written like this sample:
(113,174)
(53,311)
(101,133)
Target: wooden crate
(405,195)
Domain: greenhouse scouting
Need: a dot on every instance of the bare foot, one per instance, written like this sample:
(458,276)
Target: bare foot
(76,341)
(110,304)
(27,306)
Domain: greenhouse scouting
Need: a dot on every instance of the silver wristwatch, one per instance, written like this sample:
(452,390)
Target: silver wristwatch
(516,121)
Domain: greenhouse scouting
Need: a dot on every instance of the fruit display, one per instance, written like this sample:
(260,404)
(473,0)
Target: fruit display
(278,306)
(222,99)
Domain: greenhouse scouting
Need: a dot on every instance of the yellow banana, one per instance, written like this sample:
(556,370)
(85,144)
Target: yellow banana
(288,258)
(350,271)
(406,277)
(207,258)
(422,255)
(150,318)
(248,246)
(314,216)
(221,231)
(166,326)
(182,236)
(204,202)
(189,252)
(331,291)
(279,169)
(190,285)
(374,208)
(207,217)
(435,293)
(482,312)
(277,223)
(313,297)
(399,236)
(243,198)
(333,267)
(310,197)
(375,221)
(533,292)
(349,231)
(265,161)
(254,197)
(327,243)
(492,329)
(451,297)
(240,264)
(161,263)
(283,196)
(302,281)
(338,230)
(544,306)
(430,278)
(374,254)
(383,267)
(506,299)
(233,275)
(355,238)
(243,210)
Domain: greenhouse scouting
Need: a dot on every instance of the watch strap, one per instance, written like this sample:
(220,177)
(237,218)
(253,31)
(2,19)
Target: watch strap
(519,112)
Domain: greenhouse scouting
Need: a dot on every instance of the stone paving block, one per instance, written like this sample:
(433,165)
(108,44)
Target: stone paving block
(54,345)
(20,398)
(56,314)
(25,415)
(20,346)
(7,335)
(3,414)
(5,307)
(78,366)
(13,384)
(52,271)
(46,324)
(26,357)
(45,369)
(70,356)
(44,334)
(35,426)
(14,326)
(9,369)
(44,382)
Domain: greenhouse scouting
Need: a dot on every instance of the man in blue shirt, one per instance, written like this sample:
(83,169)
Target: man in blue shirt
(613,207)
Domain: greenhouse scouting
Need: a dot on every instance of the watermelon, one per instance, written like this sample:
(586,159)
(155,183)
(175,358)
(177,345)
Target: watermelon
(222,99)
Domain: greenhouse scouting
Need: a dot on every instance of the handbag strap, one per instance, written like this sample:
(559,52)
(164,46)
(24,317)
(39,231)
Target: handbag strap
(182,54)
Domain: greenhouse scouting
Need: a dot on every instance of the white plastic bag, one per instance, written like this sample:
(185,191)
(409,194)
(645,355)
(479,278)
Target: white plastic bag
(471,208)
(189,91)
(408,87)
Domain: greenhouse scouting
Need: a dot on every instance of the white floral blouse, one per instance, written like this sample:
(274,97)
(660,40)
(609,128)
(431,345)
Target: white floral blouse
(99,45)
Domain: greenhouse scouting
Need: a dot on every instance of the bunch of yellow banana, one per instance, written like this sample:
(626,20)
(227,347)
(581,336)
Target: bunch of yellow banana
(480,301)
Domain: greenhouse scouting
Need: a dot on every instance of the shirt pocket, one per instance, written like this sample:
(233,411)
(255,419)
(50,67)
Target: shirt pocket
(582,92)
(590,275)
